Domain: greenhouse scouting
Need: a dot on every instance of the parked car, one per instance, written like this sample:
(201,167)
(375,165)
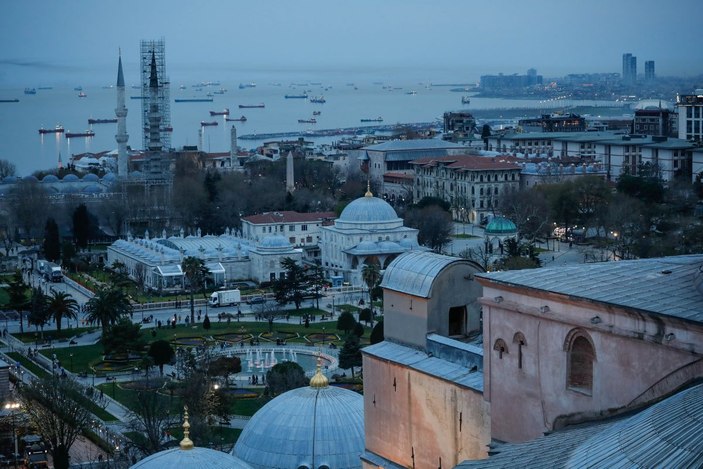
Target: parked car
(256,300)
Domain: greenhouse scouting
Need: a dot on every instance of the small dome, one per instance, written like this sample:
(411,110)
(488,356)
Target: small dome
(90,177)
(30,178)
(70,178)
(501,225)
(109,177)
(9,179)
(92,189)
(368,209)
(50,178)
(321,425)
(275,241)
(366,246)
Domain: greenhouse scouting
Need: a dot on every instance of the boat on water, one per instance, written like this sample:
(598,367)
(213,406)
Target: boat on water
(78,88)
(377,119)
(251,106)
(87,133)
(167,129)
(194,100)
(307,121)
(45,87)
(207,124)
(220,91)
(297,96)
(247,85)
(318,100)
(412,92)
(465,100)
(30,91)
(15,100)
(236,119)
(138,97)
(225,112)
(102,121)
(182,87)
(56,130)
(316,113)
(82,95)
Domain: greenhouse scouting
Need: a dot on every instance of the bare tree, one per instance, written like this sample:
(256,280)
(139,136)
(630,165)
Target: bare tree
(56,408)
(7,169)
(151,418)
(479,254)
(29,206)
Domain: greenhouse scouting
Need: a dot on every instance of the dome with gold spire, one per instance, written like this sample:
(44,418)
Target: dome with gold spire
(314,427)
(187,455)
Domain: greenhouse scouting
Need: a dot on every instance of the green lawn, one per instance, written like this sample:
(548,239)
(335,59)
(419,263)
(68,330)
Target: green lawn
(83,357)
(28,364)
(65,334)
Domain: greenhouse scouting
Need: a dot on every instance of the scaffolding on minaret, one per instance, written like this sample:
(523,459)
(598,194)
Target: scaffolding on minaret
(163,96)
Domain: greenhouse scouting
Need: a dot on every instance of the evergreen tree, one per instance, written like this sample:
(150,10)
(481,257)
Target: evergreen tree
(346,322)
(162,353)
(285,376)
(81,226)
(350,355)
(377,333)
(52,245)
(206,323)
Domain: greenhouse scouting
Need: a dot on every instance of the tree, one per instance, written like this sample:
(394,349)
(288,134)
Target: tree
(528,209)
(350,355)
(18,296)
(365,315)
(52,243)
(291,287)
(39,314)
(56,408)
(346,322)
(485,134)
(206,322)
(162,353)
(29,206)
(285,376)
(194,274)
(61,305)
(108,306)
(82,226)
(123,338)
(68,251)
(204,404)
(150,417)
(478,254)
(225,366)
(377,333)
(434,225)
(371,275)
(7,169)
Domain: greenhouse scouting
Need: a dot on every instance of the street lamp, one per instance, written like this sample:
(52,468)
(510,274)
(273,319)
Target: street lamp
(71,356)
(323,335)
(12,407)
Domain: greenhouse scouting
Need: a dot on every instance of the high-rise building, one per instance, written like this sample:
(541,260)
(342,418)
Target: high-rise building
(649,71)
(629,69)
(161,98)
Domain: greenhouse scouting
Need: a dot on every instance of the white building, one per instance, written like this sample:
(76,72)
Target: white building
(156,263)
(368,231)
(690,110)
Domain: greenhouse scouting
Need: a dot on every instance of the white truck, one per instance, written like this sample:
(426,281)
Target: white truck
(225,298)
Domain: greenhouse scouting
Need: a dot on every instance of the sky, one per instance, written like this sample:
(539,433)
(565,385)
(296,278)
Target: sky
(432,38)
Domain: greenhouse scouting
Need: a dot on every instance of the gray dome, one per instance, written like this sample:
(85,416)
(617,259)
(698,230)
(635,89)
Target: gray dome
(70,178)
(195,458)
(366,246)
(368,209)
(30,178)
(109,177)
(275,241)
(50,178)
(90,177)
(310,427)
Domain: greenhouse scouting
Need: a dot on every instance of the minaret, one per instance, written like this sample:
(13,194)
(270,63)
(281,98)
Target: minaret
(233,147)
(154,114)
(290,180)
(121,114)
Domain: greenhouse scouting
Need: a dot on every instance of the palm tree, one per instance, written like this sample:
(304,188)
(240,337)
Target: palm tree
(38,313)
(108,306)
(194,273)
(371,275)
(61,305)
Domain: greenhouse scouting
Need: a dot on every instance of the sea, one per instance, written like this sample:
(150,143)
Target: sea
(347,102)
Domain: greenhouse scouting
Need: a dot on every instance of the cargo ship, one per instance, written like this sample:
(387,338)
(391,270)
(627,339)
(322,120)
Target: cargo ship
(318,100)
(220,113)
(87,133)
(378,119)
(251,106)
(205,124)
(307,121)
(15,100)
(296,96)
(56,130)
(194,100)
(238,119)
(102,121)
(30,91)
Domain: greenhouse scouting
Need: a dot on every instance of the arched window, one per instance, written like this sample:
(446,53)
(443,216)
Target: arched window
(519,339)
(580,357)
(501,347)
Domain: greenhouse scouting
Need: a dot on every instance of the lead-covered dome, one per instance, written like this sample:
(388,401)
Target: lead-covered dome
(313,427)
(500,225)
(368,209)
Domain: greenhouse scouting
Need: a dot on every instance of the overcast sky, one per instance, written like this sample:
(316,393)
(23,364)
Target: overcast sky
(466,37)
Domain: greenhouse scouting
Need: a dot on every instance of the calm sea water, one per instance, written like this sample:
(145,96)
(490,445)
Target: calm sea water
(346,104)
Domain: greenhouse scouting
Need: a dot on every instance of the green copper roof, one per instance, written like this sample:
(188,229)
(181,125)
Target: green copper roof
(501,225)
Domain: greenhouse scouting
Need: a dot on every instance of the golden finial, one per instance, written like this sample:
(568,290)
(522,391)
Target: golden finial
(186,442)
(368,188)
(319,380)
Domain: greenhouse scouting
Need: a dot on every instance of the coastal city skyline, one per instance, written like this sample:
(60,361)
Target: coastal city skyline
(50,43)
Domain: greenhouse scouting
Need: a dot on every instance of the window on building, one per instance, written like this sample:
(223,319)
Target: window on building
(291,240)
(304,227)
(519,339)
(580,357)
(308,239)
(501,347)
(291,228)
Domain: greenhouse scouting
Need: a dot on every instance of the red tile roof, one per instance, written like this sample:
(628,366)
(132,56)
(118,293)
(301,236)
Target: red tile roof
(288,217)
(471,162)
